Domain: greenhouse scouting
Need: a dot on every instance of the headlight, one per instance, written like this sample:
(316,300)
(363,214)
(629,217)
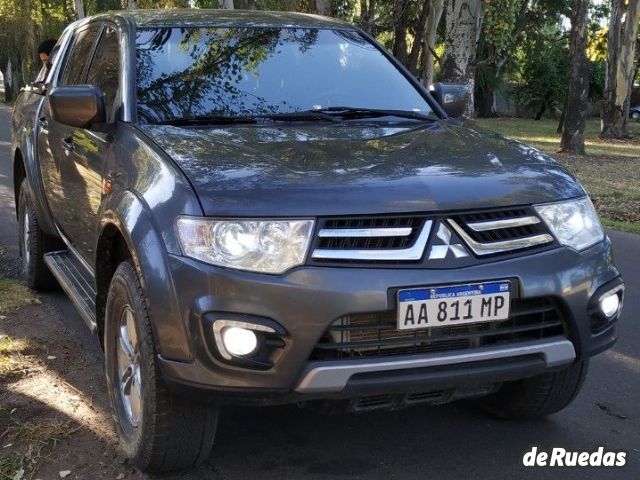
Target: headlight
(269,246)
(574,223)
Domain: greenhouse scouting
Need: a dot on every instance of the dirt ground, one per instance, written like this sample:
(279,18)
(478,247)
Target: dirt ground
(54,416)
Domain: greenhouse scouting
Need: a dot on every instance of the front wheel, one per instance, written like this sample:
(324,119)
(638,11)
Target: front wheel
(537,396)
(635,115)
(158,431)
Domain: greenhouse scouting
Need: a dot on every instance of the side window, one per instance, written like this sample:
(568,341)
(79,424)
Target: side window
(80,55)
(104,71)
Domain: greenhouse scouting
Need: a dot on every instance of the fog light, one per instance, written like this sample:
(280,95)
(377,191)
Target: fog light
(239,341)
(609,305)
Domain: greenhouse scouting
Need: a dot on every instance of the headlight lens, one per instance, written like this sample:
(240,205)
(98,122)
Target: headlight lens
(268,246)
(574,223)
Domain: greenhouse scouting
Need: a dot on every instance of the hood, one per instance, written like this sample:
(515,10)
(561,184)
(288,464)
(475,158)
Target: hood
(313,170)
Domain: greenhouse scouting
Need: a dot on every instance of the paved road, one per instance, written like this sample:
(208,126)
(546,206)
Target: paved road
(454,441)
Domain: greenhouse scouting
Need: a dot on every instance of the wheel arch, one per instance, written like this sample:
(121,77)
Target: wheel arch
(128,232)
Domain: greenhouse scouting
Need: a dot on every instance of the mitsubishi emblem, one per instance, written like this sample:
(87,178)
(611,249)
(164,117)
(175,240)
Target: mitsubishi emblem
(440,252)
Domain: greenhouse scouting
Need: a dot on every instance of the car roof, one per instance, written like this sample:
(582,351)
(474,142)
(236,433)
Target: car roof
(186,17)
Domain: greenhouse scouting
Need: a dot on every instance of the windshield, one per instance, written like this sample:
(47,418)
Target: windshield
(211,72)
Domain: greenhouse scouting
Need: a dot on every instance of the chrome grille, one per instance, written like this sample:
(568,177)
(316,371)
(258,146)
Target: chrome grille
(489,233)
(372,238)
(395,240)
(376,334)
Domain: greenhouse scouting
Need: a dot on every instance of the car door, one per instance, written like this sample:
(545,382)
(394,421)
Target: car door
(86,151)
(57,162)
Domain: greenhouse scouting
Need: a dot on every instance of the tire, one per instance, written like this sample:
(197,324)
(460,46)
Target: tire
(158,431)
(635,115)
(34,243)
(537,396)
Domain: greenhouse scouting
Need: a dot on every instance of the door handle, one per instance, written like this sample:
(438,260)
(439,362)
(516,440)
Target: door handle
(42,121)
(67,144)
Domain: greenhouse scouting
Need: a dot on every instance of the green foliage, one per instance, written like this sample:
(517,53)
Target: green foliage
(597,78)
(499,22)
(544,71)
(23,25)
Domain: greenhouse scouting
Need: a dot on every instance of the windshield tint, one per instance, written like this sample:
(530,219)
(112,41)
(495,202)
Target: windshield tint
(200,72)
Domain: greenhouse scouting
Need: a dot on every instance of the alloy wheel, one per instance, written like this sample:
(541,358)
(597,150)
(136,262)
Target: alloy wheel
(129,367)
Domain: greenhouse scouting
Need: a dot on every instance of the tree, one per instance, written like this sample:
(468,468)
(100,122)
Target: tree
(463,22)
(24,24)
(622,39)
(578,92)
(543,71)
(367,15)
(322,7)
(429,42)
(78,6)
(502,32)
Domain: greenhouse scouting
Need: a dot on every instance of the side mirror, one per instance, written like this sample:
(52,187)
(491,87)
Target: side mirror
(452,97)
(78,106)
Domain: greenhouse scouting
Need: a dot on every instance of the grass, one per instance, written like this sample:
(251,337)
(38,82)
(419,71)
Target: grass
(31,442)
(14,295)
(610,171)
(12,352)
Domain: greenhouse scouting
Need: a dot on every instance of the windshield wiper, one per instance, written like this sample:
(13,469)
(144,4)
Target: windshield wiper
(329,114)
(302,116)
(358,112)
(208,120)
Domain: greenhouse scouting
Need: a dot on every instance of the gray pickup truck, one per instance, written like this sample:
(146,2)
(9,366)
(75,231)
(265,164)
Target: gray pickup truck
(267,208)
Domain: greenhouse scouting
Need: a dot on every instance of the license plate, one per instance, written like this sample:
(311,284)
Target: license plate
(453,305)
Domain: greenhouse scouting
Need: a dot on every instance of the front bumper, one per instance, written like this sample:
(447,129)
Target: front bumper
(306,300)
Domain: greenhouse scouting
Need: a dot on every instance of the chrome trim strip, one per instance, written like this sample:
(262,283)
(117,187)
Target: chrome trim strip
(504,223)
(365,232)
(333,376)
(412,253)
(500,247)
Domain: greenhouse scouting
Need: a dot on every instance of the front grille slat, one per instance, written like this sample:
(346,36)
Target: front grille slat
(376,334)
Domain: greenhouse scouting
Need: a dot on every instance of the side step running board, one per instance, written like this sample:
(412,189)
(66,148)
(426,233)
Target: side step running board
(76,282)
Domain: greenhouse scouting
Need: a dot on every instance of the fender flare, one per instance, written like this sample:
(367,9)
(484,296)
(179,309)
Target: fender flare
(149,254)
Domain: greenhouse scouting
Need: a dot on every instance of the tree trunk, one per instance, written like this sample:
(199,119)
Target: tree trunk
(485,97)
(323,7)
(227,4)
(367,16)
(543,108)
(607,118)
(578,92)
(418,38)
(431,32)
(365,21)
(245,4)
(463,22)
(563,115)
(78,7)
(132,4)
(620,68)
(400,22)
(8,84)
